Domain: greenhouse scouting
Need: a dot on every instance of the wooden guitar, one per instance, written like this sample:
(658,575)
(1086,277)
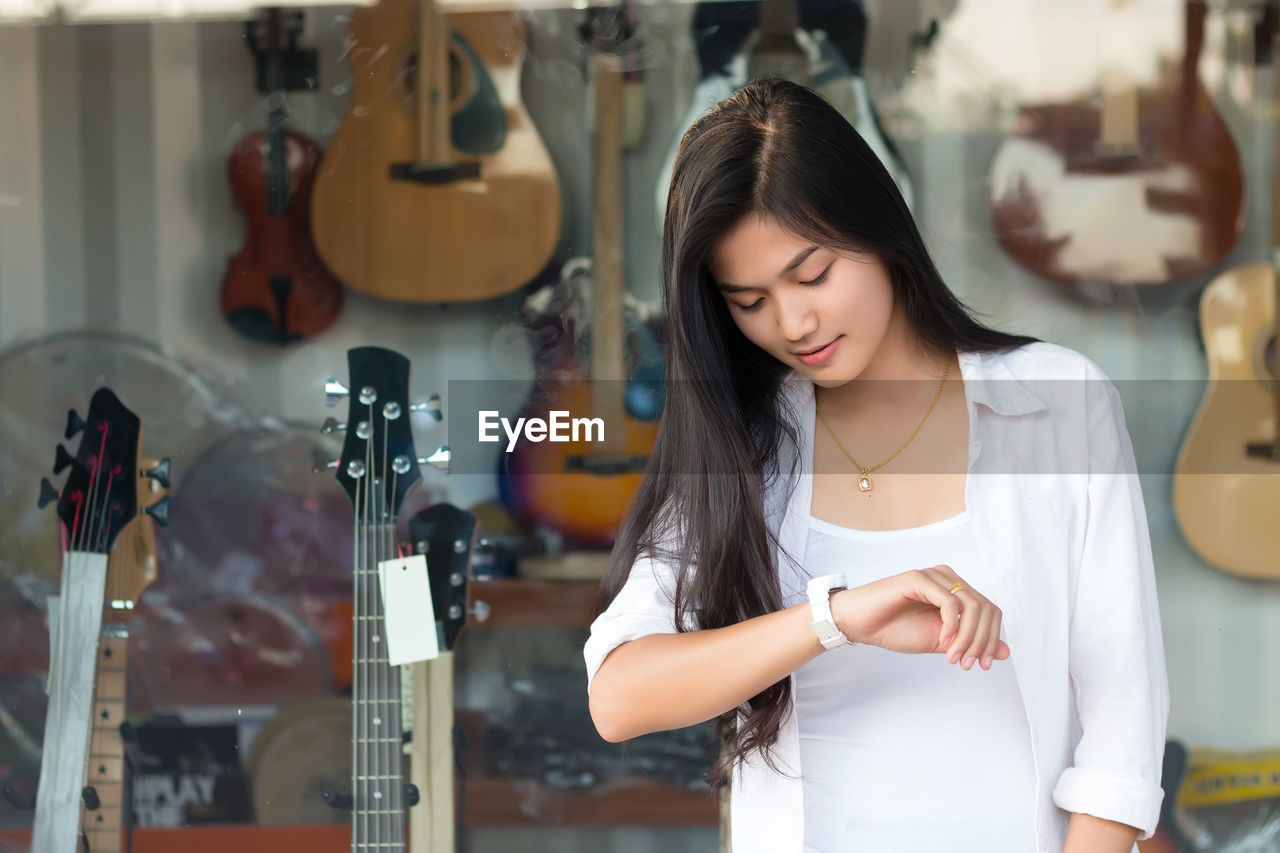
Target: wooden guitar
(582,488)
(1225,487)
(1137,187)
(437,187)
(99,500)
(377,468)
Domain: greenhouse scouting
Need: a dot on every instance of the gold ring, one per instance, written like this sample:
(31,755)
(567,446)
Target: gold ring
(956,587)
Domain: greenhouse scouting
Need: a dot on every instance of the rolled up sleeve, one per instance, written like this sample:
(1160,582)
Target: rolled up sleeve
(644,606)
(1116,655)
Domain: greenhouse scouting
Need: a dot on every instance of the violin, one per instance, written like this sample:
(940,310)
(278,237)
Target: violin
(276,289)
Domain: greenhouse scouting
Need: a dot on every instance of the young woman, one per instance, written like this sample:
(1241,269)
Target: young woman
(902,557)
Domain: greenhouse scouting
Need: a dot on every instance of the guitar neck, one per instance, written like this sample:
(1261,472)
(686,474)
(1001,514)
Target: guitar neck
(378,803)
(103,825)
(431,84)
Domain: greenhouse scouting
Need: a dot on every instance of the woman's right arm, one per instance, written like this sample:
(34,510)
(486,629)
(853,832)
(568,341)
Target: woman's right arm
(658,680)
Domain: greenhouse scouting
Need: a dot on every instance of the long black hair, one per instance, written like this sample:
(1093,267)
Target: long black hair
(778,150)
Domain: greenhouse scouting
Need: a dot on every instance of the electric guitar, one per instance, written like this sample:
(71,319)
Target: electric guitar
(377,468)
(446,535)
(99,499)
(1225,494)
(582,488)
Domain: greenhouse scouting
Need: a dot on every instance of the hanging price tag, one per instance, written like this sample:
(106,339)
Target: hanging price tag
(410,619)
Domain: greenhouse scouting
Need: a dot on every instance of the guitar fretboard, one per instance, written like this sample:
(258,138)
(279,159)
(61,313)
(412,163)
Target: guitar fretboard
(102,826)
(378,807)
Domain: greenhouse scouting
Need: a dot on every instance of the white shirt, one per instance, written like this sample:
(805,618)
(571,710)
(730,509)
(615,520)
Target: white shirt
(1056,509)
(870,743)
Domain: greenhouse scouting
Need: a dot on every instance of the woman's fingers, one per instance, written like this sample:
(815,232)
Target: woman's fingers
(978,639)
(993,645)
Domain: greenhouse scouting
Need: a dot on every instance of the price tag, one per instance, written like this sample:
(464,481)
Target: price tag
(410,619)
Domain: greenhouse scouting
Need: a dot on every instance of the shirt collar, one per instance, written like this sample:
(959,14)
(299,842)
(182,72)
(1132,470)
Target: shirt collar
(989,381)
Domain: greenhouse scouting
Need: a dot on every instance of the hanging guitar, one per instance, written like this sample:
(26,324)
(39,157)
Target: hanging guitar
(739,40)
(276,289)
(1135,187)
(99,500)
(436,187)
(581,489)
(1225,488)
(377,468)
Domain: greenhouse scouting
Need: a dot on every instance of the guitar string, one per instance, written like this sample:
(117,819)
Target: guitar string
(392,745)
(358,680)
(371,662)
(372,767)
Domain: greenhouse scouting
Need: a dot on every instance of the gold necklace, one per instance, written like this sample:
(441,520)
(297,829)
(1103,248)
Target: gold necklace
(864,482)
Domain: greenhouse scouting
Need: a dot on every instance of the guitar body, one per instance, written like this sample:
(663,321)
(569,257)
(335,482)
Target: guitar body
(1135,188)
(471,239)
(276,289)
(543,484)
(1227,502)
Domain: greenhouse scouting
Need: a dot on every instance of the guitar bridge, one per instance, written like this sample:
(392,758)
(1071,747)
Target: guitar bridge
(434,174)
(1263,450)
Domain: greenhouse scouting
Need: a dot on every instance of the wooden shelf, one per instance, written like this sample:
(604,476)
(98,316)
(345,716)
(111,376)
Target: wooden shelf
(525,603)
(490,803)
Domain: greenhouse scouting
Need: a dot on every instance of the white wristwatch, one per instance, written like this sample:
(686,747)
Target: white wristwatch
(824,625)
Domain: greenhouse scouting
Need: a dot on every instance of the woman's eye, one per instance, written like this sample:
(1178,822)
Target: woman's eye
(753,306)
(820,279)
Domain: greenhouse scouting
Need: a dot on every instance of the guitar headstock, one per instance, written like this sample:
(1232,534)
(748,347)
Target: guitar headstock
(378,465)
(100,496)
(133,565)
(446,535)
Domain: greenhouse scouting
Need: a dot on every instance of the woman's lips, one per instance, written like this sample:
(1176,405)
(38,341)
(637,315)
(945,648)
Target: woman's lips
(819,355)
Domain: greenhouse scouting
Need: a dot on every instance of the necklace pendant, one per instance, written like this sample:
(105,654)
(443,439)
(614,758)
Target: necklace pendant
(865,483)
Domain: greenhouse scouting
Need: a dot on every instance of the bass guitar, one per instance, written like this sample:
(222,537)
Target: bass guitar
(276,289)
(1225,495)
(377,469)
(1138,187)
(437,187)
(99,499)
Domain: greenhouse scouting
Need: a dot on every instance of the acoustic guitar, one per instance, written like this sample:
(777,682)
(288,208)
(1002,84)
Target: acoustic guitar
(1226,482)
(1137,187)
(436,187)
(581,489)
(97,503)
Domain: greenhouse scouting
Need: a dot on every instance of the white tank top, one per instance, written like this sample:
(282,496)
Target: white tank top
(906,752)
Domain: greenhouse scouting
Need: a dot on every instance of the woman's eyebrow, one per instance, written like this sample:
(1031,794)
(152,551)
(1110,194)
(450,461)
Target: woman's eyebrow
(800,258)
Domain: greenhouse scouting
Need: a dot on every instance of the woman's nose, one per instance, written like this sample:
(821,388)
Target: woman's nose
(796,316)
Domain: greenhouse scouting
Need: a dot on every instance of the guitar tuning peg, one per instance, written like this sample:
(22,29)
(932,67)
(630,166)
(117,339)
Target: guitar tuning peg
(159,511)
(320,462)
(431,407)
(62,460)
(334,391)
(160,473)
(48,493)
(439,459)
(331,426)
(74,423)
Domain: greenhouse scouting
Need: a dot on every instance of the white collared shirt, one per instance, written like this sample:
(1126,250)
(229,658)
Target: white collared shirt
(1053,497)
